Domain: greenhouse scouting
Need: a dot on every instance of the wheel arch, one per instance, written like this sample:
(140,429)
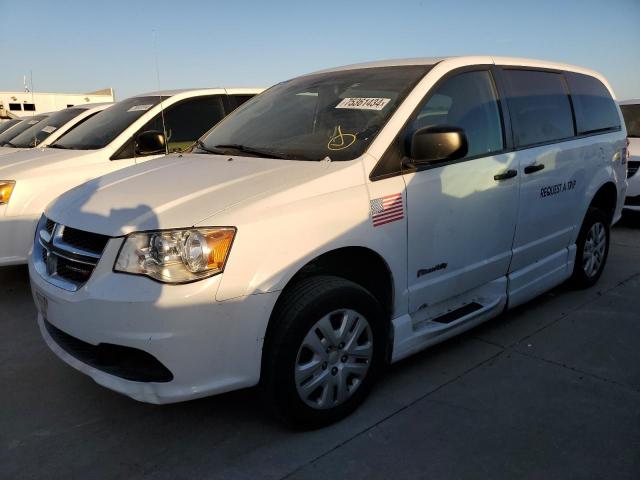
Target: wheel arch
(606,198)
(358,264)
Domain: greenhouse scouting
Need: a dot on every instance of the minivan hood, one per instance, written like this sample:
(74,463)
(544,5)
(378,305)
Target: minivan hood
(176,191)
(21,164)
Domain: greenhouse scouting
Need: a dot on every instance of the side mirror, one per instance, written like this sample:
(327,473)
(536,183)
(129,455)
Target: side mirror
(151,142)
(437,144)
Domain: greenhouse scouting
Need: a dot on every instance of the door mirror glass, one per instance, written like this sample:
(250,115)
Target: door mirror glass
(437,144)
(150,142)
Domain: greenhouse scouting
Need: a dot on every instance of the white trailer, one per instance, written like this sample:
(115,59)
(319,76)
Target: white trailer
(25,104)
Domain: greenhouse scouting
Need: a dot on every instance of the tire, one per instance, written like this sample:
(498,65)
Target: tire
(310,380)
(592,246)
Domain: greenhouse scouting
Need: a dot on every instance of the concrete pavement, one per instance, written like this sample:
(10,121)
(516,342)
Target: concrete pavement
(549,390)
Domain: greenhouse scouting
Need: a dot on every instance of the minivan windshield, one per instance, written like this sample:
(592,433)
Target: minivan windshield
(104,127)
(631,114)
(37,133)
(8,135)
(334,114)
(8,124)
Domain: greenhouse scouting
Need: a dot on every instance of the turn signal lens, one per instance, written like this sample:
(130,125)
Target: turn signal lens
(6,189)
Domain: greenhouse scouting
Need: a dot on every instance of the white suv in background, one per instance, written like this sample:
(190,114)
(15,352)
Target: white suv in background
(129,132)
(631,112)
(338,221)
(52,127)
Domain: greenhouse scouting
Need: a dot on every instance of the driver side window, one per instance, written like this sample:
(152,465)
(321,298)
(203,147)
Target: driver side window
(183,122)
(468,101)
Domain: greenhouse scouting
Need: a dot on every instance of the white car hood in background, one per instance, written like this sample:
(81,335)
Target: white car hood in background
(34,162)
(173,192)
(8,150)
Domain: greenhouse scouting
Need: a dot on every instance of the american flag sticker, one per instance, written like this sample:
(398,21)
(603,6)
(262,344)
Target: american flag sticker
(386,209)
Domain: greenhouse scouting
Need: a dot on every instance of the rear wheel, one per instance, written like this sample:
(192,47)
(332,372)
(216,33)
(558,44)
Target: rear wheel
(592,248)
(324,351)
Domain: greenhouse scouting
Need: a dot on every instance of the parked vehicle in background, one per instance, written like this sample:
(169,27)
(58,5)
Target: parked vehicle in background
(336,222)
(130,131)
(6,125)
(10,133)
(53,127)
(631,112)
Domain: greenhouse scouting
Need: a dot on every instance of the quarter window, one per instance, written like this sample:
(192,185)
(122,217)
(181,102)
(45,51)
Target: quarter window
(594,107)
(539,106)
(467,101)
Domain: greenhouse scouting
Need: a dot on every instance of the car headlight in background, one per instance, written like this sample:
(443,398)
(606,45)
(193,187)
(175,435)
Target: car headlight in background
(6,189)
(176,256)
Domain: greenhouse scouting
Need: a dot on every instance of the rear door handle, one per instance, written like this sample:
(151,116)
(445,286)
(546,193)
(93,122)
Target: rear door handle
(505,175)
(533,168)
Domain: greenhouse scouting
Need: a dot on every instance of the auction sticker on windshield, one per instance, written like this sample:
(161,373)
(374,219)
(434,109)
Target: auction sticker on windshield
(49,129)
(140,108)
(363,103)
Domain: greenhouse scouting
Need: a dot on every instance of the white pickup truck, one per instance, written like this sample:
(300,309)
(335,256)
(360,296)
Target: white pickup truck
(338,221)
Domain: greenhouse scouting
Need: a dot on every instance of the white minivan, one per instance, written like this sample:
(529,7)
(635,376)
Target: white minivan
(339,221)
(127,133)
(52,127)
(631,113)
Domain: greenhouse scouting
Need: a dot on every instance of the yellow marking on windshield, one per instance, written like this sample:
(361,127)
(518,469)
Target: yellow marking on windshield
(340,140)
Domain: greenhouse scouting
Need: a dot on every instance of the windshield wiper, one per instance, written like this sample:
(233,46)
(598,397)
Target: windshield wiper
(55,145)
(9,144)
(250,150)
(200,145)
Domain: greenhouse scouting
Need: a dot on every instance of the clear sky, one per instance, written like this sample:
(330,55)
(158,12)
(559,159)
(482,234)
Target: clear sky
(73,46)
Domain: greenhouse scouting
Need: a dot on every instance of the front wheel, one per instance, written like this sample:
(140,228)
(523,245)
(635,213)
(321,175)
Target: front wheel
(592,248)
(324,351)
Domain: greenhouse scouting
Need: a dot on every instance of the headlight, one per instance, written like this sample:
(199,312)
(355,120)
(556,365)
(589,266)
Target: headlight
(176,256)
(6,189)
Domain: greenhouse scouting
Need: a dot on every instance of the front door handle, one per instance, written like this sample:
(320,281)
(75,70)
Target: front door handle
(505,175)
(533,168)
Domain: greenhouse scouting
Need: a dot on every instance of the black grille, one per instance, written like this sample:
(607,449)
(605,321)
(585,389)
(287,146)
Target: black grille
(124,362)
(632,168)
(49,226)
(66,256)
(91,242)
(74,271)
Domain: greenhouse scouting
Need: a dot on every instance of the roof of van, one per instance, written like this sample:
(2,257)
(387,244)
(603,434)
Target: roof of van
(470,60)
(201,91)
(89,106)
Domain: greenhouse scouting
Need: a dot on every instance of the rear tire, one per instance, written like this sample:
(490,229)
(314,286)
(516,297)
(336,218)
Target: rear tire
(592,248)
(323,352)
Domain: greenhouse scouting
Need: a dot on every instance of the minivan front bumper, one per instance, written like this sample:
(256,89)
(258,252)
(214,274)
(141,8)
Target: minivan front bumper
(208,347)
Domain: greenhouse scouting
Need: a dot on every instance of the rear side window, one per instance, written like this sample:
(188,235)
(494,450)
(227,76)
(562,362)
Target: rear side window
(240,99)
(595,109)
(468,101)
(539,106)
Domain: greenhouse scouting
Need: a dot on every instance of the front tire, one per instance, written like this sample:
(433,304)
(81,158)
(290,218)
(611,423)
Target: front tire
(592,248)
(324,351)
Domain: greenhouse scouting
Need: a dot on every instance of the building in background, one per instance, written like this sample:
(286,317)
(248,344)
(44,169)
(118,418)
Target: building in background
(26,104)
